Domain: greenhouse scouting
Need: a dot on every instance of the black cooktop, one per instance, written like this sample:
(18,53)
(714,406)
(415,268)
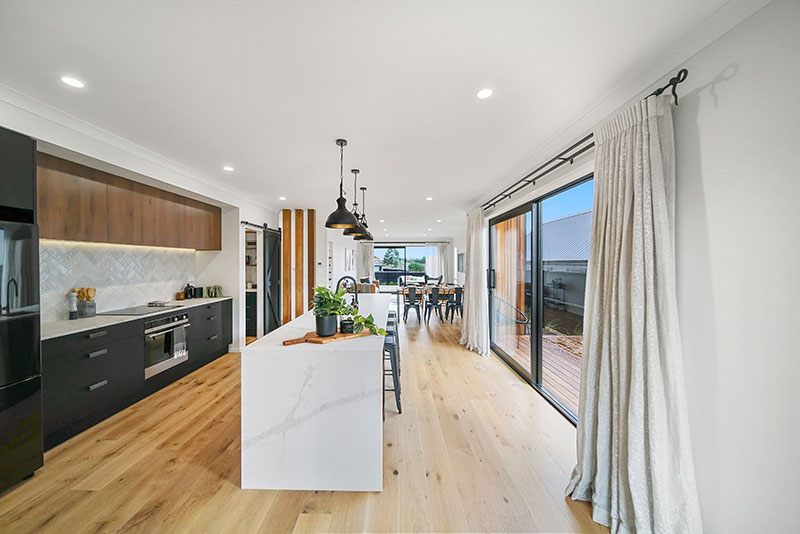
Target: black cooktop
(138,310)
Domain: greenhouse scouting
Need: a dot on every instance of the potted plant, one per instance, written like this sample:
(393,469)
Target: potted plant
(328,305)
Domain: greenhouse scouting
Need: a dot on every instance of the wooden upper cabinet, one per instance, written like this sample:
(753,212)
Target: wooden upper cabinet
(79,203)
(71,200)
(204,222)
(131,212)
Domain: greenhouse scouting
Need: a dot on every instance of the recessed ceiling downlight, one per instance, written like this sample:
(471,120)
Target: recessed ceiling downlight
(73,82)
(483,94)
(227,168)
(281,198)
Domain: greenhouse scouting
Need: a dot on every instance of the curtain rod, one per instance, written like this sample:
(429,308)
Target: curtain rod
(403,243)
(569,154)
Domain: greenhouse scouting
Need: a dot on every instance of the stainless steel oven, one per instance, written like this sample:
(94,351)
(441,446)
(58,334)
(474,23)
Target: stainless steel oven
(165,343)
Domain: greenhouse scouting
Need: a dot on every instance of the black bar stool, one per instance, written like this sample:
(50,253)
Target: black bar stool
(390,354)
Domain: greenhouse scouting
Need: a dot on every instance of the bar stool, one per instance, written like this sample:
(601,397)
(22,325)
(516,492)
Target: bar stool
(390,353)
(391,328)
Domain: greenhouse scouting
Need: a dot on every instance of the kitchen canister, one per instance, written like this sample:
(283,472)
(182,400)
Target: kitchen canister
(87,309)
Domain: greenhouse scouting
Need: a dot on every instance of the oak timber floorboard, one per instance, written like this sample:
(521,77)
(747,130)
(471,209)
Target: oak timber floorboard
(476,449)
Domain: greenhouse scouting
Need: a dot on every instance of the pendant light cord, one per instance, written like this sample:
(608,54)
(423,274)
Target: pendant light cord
(355,192)
(341,170)
(364,203)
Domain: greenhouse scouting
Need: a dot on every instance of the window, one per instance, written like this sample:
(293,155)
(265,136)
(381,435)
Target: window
(539,253)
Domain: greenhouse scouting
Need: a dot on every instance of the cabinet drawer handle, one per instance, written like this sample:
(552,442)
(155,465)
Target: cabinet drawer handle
(97,353)
(95,335)
(212,338)
(98,385)
(212,317)
(209,306)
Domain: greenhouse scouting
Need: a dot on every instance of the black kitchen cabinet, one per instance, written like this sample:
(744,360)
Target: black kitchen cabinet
(89,376)
(94,381)
(210,332)
(17,177)
(251,311)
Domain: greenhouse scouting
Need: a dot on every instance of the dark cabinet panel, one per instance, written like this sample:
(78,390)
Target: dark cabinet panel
(17,177)
(89,376)
(90,339)
(251,313)
(79,384)
(21,430)
(227,322)
(71,201)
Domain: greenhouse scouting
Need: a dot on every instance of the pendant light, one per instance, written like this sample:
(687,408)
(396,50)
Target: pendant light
(341,218)
(368,236)
(359,230)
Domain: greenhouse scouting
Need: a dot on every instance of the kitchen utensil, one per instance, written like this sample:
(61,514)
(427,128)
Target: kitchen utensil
(91,292)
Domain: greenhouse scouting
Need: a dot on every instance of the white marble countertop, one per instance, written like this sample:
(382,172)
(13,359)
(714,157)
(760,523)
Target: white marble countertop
(312,414)
(67,327)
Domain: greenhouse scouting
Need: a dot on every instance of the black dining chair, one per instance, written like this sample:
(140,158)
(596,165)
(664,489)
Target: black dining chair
(433,303)
(456,304)
(411,301)
(436,279)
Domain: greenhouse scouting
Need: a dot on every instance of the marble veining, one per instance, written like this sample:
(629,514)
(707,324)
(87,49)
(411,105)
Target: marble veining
(311,414)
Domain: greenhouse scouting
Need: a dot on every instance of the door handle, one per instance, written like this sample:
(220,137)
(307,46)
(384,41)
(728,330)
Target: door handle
(95,335)
(97,353)
(98,385)
(211,318)
(212,338)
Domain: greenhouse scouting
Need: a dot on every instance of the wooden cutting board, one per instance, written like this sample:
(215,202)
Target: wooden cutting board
(312,337)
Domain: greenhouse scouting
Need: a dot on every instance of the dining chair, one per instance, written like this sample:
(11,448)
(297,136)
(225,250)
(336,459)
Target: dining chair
(438,279)
(456,304)
(410,301)
(433,303)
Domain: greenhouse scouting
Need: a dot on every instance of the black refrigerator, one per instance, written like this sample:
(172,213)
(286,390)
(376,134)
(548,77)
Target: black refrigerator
(21,445)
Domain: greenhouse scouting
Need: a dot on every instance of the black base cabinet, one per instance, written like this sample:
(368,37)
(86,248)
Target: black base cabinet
(250,313)
(89,376)
(20,430)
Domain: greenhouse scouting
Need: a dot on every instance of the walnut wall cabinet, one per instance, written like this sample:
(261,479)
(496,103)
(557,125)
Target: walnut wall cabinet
(79,203)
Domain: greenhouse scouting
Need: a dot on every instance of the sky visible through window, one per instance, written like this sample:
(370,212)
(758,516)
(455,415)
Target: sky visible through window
(575,200)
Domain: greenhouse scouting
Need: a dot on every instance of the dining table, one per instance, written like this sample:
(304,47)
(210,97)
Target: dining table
(445,292)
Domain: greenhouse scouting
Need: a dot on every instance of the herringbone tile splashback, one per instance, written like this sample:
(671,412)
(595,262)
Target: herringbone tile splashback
(123,275)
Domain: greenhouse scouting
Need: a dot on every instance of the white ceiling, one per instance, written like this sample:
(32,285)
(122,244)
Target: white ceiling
(268,86)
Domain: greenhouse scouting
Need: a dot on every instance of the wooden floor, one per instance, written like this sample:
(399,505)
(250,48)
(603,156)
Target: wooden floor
(561,365)
(476,449)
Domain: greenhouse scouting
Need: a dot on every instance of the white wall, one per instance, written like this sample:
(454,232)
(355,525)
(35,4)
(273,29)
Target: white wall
(737,130)
(738,251)
(340,244)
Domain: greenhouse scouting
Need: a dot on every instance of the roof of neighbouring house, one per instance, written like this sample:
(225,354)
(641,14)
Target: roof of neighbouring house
(567,238)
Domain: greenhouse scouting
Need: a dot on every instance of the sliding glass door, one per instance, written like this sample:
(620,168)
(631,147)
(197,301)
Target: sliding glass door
(537,277)
(511,297)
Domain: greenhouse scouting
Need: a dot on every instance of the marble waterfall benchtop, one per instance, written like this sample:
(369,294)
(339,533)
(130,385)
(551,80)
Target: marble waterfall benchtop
(312,416)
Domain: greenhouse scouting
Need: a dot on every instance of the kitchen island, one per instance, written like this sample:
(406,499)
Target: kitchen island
(312,416)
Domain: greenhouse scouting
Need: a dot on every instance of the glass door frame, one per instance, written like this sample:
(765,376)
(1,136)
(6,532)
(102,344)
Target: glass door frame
(534,378)
(529,207)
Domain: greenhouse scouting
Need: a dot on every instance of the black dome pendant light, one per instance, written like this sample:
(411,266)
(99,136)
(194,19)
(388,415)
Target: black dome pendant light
(368,236)
(341,218)
(359,230)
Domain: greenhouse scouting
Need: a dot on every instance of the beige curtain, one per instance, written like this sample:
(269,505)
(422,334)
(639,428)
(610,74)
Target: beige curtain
(475,325)
(365,261)
(634,455)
